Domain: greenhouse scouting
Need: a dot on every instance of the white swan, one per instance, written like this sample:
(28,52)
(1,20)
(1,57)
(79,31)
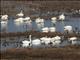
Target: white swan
(45,29)
(52,29)
(73,40)
(56,40)
(4,17)
(18,21)
(62,17)
(68,28)
(53,19)
(53,41)
(20,14)
(45,40)
(39,22)
(35,42)
(27,20)
(25,43)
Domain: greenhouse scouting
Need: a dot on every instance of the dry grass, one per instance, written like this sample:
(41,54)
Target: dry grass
(11,7)
(36,34)
(67,53)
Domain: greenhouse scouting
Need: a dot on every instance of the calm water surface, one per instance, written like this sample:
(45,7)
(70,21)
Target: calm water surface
(11,27)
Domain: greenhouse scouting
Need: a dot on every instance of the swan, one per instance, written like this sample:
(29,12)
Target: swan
(56,40)
(35,42)
(4,17)
(18,21)
(68,28)
(20,14)
(45,29)
(73,40)
(45,40)
(53,41)
(62,17)
(4,22)
(52,29)
(53,20)
(39,22)
(27,20)
(25,43)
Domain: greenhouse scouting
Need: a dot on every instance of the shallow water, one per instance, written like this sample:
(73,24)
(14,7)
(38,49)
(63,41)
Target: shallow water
(11,27)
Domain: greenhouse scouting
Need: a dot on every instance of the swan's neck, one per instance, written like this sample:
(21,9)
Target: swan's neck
(30,38)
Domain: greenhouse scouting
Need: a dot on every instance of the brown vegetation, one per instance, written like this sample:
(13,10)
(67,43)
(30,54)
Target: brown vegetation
(36,34)
(67,53)
(13,7)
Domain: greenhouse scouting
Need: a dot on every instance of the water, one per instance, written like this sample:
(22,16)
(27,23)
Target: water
(16,42)
(11,27)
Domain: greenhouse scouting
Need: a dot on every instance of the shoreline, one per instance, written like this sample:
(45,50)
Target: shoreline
(37,34)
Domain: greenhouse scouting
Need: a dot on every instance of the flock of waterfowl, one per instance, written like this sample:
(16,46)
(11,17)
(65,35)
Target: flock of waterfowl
(54,41)
(49,41)
(39,22)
